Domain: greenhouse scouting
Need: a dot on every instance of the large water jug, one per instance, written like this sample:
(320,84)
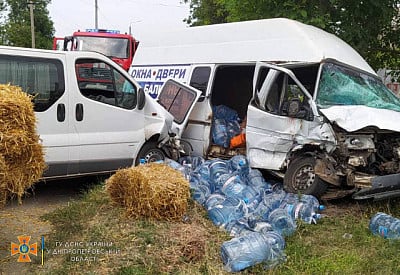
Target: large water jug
(200,193)
(219,133)
(234,187)
(214,200)
(229,210)
(217,168)
(240,164)
(302,211)
(177,166)
(385,225)
(256,180)
(237,228)
(282,222)
(250,249)
(273,200)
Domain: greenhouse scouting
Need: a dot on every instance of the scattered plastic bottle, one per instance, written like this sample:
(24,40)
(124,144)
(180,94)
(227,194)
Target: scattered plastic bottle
(250,249)
(282,222)
(200,193)
(177,166)
(234,187)
(230,209)
(384,225)
(237,228)
(274,199)
(217,168)
(239,164)
(302,211)
(255,179)
(214,200)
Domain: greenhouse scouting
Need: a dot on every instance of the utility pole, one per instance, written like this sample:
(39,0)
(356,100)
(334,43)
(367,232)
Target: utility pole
(31,6)
(96,25)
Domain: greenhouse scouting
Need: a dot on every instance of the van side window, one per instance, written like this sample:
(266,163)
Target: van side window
(293,93)
(199,80)
(41,77)
(100,82)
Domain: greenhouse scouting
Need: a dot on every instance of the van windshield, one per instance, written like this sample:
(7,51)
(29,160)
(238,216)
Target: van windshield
(342,86)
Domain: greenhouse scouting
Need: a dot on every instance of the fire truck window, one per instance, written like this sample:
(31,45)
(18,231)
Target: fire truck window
(41,77)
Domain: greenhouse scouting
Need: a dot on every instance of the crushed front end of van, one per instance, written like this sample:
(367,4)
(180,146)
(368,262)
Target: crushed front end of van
(340,138)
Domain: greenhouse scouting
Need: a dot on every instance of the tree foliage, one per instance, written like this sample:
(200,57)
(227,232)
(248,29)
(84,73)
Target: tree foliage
(17,26)
(370,26)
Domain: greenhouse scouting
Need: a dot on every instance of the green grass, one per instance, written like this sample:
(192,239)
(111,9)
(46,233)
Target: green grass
(340,243)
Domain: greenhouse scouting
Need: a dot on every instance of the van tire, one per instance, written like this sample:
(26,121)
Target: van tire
(300,178)
(150,152)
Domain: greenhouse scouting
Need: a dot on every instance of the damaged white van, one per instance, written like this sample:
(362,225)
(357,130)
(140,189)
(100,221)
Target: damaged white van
(316,112)
(93,118)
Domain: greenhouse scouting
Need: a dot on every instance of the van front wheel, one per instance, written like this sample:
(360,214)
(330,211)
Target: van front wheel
(150,153)
(300,178)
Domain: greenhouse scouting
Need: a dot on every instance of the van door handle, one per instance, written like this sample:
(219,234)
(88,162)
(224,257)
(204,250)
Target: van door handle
(79,112)
(60,112)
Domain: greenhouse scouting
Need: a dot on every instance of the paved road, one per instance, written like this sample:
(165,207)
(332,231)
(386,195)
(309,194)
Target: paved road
(17,220)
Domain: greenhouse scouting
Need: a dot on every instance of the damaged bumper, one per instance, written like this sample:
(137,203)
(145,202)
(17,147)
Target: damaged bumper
(382,187)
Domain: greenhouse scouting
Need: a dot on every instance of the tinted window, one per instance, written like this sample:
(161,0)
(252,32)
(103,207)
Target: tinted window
(199,80)
(41,77)
(100,82)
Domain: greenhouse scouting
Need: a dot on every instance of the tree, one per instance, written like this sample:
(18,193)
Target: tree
(370,26)
(18,24)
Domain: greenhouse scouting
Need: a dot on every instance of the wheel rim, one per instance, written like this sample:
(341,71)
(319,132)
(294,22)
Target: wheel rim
(154,155)
(304,178)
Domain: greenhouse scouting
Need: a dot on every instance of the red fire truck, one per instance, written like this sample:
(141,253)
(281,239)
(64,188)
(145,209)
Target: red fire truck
(119,47)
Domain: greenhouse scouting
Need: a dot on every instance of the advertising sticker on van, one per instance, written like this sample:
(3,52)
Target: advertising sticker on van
(151,78)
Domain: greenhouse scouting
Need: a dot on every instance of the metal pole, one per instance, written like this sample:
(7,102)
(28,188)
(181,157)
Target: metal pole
(95,15)
(31,5)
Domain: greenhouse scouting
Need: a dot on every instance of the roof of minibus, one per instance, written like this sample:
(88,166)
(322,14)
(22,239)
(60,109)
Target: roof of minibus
(278,39)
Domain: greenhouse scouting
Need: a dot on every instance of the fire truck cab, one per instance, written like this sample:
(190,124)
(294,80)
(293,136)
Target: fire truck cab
(119,47)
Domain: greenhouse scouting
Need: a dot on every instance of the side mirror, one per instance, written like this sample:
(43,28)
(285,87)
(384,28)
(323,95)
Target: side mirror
(141,99)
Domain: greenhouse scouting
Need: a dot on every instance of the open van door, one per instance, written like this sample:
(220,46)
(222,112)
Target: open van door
(179,100)
(280,116)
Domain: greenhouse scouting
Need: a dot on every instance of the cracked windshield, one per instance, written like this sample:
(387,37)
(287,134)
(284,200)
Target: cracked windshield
(342,86)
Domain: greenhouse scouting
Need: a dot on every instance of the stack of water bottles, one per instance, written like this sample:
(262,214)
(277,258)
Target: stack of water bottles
(225,125)
(257,214)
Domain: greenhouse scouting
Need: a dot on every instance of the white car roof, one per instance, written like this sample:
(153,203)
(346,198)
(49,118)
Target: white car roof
(277,39)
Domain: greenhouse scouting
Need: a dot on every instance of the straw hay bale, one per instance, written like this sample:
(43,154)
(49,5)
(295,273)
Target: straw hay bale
(153,190)
(21,155)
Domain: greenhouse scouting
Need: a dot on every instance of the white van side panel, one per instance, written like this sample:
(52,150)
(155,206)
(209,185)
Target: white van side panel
(277,39)
(107,134)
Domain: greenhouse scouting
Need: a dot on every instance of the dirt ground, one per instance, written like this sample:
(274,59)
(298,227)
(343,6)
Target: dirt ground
(24,220)
(17,220)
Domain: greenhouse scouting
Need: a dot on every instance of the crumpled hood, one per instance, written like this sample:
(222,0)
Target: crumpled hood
(353,118)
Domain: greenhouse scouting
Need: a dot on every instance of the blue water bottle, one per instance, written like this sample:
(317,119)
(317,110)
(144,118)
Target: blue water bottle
(250,249)
(385,225)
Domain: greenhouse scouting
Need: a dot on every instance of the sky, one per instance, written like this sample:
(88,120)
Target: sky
(141,15)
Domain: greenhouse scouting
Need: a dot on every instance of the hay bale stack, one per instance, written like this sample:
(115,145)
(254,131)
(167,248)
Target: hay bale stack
(153,190)
(21,155)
